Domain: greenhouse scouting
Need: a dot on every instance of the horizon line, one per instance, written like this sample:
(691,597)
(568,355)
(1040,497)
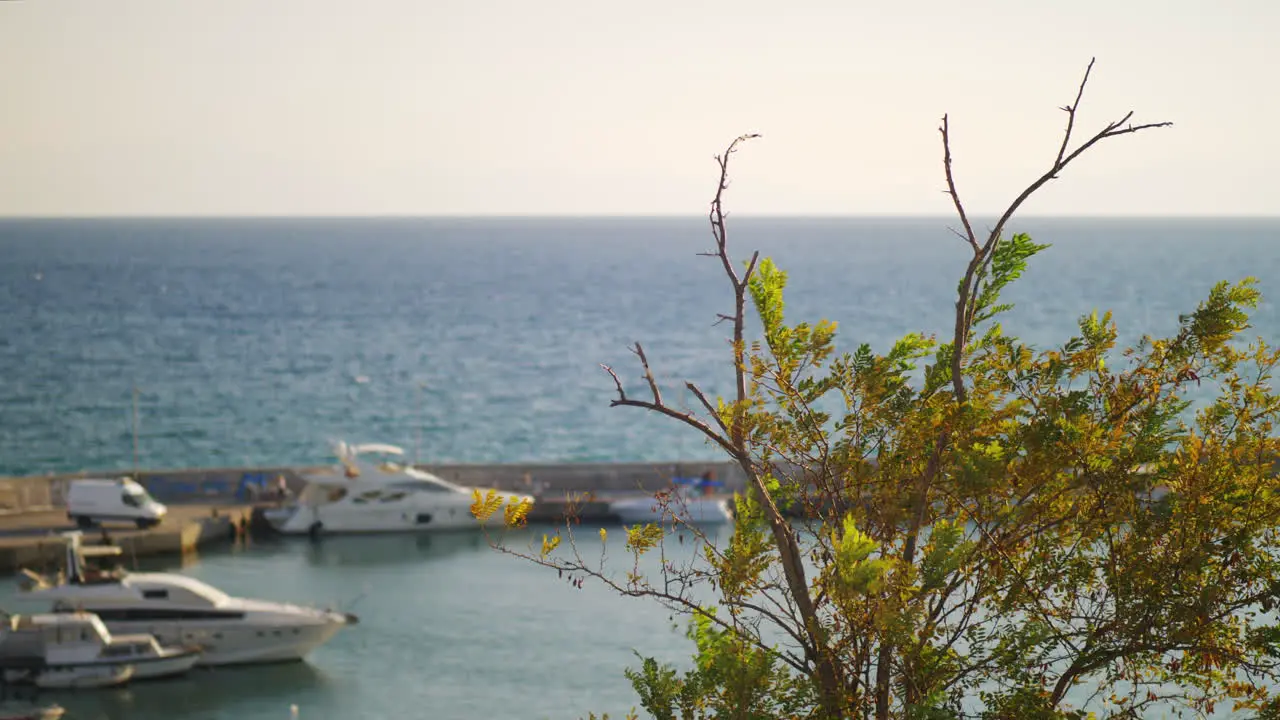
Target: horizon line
(644,216)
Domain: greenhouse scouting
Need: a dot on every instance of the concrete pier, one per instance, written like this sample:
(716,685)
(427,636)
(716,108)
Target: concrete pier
(246,484)
(205,503)
(32,540)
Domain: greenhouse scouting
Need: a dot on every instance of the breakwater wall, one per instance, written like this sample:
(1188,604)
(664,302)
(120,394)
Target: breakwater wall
(245,484)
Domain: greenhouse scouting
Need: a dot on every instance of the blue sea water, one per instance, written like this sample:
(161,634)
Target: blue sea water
(253,341)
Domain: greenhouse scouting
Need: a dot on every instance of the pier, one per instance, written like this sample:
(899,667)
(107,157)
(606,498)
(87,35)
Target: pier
(33,539)
(211,505)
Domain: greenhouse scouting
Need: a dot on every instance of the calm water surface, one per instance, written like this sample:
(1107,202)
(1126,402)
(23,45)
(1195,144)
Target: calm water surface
(253,341)
(449,628)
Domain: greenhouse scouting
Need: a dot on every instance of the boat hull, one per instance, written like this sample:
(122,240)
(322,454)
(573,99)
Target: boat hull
(168,664)
(444,517)
(238,645)
(75,677)
(696,511)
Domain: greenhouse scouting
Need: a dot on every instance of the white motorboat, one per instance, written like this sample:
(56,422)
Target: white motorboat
(686,501)
(148,657)
(372,497)
(76,650)
(179,610)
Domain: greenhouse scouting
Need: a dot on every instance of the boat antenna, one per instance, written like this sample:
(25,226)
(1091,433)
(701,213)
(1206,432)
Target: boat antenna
(417,437)
(135,432)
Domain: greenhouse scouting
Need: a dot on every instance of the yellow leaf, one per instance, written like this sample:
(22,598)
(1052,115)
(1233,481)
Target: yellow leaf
(549,544)
(516,511)
(643,537)
(604,536)
(484,506)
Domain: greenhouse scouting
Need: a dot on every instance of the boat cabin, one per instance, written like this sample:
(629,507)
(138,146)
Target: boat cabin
(56,638)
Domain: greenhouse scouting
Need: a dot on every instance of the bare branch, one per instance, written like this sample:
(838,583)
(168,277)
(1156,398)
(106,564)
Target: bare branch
(697,392)
(1071,114)
(751,266)
(951,184)
(622,394)
(958,234)
(982,254)
(648,375)
(687,418)
(1113,129)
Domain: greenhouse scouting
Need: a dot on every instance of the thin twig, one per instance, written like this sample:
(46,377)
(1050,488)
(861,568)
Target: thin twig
(648,375)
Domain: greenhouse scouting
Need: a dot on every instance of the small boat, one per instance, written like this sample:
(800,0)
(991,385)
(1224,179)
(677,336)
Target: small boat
(75,650)
(183,611)
(373,497)
(78,677)
(149,658)
(689,500)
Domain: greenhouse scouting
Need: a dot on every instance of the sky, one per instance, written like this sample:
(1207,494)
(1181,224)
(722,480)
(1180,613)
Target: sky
(513,107)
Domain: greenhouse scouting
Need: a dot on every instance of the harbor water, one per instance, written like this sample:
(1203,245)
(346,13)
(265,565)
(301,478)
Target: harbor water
(253,342)
(449,628)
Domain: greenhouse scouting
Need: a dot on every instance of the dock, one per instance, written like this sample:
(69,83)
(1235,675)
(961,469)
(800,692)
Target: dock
(33,539)
(212,505)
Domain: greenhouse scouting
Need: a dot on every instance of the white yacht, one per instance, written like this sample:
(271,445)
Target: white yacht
(180,610)
(681,502)
(387,496)
(74,650)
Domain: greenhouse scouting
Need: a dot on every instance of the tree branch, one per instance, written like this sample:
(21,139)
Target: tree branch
(1071,114)
(983,253)
(711,410)
(648,375)
(951,185)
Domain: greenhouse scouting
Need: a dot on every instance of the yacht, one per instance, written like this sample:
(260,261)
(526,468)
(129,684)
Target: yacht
(367,496)
(74,650)
(681,503)
(180,610)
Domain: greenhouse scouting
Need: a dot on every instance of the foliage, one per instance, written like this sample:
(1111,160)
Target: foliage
(732,678)
(985,529)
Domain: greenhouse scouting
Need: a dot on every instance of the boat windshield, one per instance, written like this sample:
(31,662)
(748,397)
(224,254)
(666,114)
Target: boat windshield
(429,482)
(128,649)
(177,589)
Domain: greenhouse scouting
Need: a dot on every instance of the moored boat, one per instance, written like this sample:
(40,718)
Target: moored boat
(183,611)
(374,497)
(689,500)
(75,650)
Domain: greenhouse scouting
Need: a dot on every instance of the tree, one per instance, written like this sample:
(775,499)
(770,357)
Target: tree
(985,526)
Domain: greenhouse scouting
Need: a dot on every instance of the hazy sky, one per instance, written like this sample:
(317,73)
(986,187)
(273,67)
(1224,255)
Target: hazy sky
(282,107)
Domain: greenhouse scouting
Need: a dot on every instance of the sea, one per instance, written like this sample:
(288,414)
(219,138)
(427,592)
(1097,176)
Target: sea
(217,342)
